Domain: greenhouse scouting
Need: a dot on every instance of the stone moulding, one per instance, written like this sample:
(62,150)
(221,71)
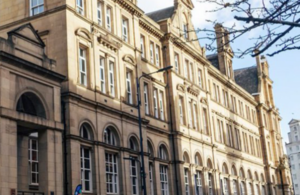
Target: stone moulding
(107,42)
(181,87)
(193,91)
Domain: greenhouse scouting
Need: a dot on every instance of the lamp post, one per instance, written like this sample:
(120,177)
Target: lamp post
(143,175)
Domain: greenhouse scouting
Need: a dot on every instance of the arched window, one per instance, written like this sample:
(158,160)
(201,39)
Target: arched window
(233,171)
(150,149)
(249,176)
(262,178)
(198,160)
(85,131)
(29,103)
(162,153)
(133,144)
(186,158)
(256,176)
(110,136)
(224,169)
(209,164)
(241,174)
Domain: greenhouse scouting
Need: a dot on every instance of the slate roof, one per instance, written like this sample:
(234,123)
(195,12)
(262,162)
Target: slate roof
(247,78)
(161,14)
(214,60)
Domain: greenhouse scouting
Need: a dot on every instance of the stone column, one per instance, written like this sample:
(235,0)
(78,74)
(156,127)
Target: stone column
(23,166)
(50,162)
(8,156)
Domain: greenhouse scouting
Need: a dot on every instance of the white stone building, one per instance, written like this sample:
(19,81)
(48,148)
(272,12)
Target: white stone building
(293,152)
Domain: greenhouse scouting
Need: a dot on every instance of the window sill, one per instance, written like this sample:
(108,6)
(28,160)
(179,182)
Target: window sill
(33,187)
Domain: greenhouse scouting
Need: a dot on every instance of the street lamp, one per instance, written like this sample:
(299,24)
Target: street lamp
(143,175)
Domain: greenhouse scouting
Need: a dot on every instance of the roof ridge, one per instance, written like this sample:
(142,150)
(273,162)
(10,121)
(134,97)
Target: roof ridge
(245,68)
(160,10)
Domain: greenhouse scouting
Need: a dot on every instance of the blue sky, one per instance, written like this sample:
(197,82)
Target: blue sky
(284,68)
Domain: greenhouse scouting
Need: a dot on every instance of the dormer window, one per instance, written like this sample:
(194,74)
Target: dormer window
(36,7)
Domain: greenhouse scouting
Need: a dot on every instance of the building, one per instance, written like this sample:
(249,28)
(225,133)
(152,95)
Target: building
(293,152)
(207,128)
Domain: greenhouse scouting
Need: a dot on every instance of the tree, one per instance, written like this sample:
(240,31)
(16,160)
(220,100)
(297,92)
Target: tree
(277,21)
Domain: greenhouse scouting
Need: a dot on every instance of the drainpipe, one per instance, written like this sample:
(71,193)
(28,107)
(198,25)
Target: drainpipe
(65,147)
(172,130)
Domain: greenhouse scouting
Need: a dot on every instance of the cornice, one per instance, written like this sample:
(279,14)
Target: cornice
(130,7)
(232,85)
(146,25)
(182,45)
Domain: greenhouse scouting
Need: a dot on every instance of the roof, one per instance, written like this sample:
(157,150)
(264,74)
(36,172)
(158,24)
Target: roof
(161,14)
(214,60)
(294,121)
(247,78)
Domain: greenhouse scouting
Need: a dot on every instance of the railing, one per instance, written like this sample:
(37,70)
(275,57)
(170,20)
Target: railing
(30,193)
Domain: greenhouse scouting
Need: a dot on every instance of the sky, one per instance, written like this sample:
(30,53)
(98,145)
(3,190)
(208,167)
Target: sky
(284,68)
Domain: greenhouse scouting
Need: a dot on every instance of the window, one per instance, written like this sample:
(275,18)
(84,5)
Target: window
(84,131)
(80,6)
(111,79)
(225,187)
(129,87)
(86,170)
(108,19)
(220,131)
(234,185)
(185,31)
(157,55)
(190,114)
(111,173)
(151,179)
(161,105)
(218,94)
(82,67)
(195,116)
(263,192)
(143,46)
(33,151)
(210,184)
(36,7)
(176,60)
(180,104)
(155,103)
(205,122)
(163,170)
(186,181)
(191,72)
(133,144)
(186,69)
(198,181)
(200,78)
(291,149)
(134,177)
(216,97)
(99,13)
(296,138)
(146,98)
(152,52)
(125,30)
(102,75)
(162,153)
(109,137)
(242,188)
(249,189)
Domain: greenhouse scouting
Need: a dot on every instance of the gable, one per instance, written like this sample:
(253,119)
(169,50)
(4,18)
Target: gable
(293,121)
(27,32)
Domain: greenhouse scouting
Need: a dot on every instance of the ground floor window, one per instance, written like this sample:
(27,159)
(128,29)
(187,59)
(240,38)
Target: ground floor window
(198,182)
(111,173)
(33,161)
(86,175)
(133,176)
(210,184)
(164,179)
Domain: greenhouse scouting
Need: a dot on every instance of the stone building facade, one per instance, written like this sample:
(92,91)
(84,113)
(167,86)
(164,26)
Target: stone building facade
(293,152)
(208,129)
